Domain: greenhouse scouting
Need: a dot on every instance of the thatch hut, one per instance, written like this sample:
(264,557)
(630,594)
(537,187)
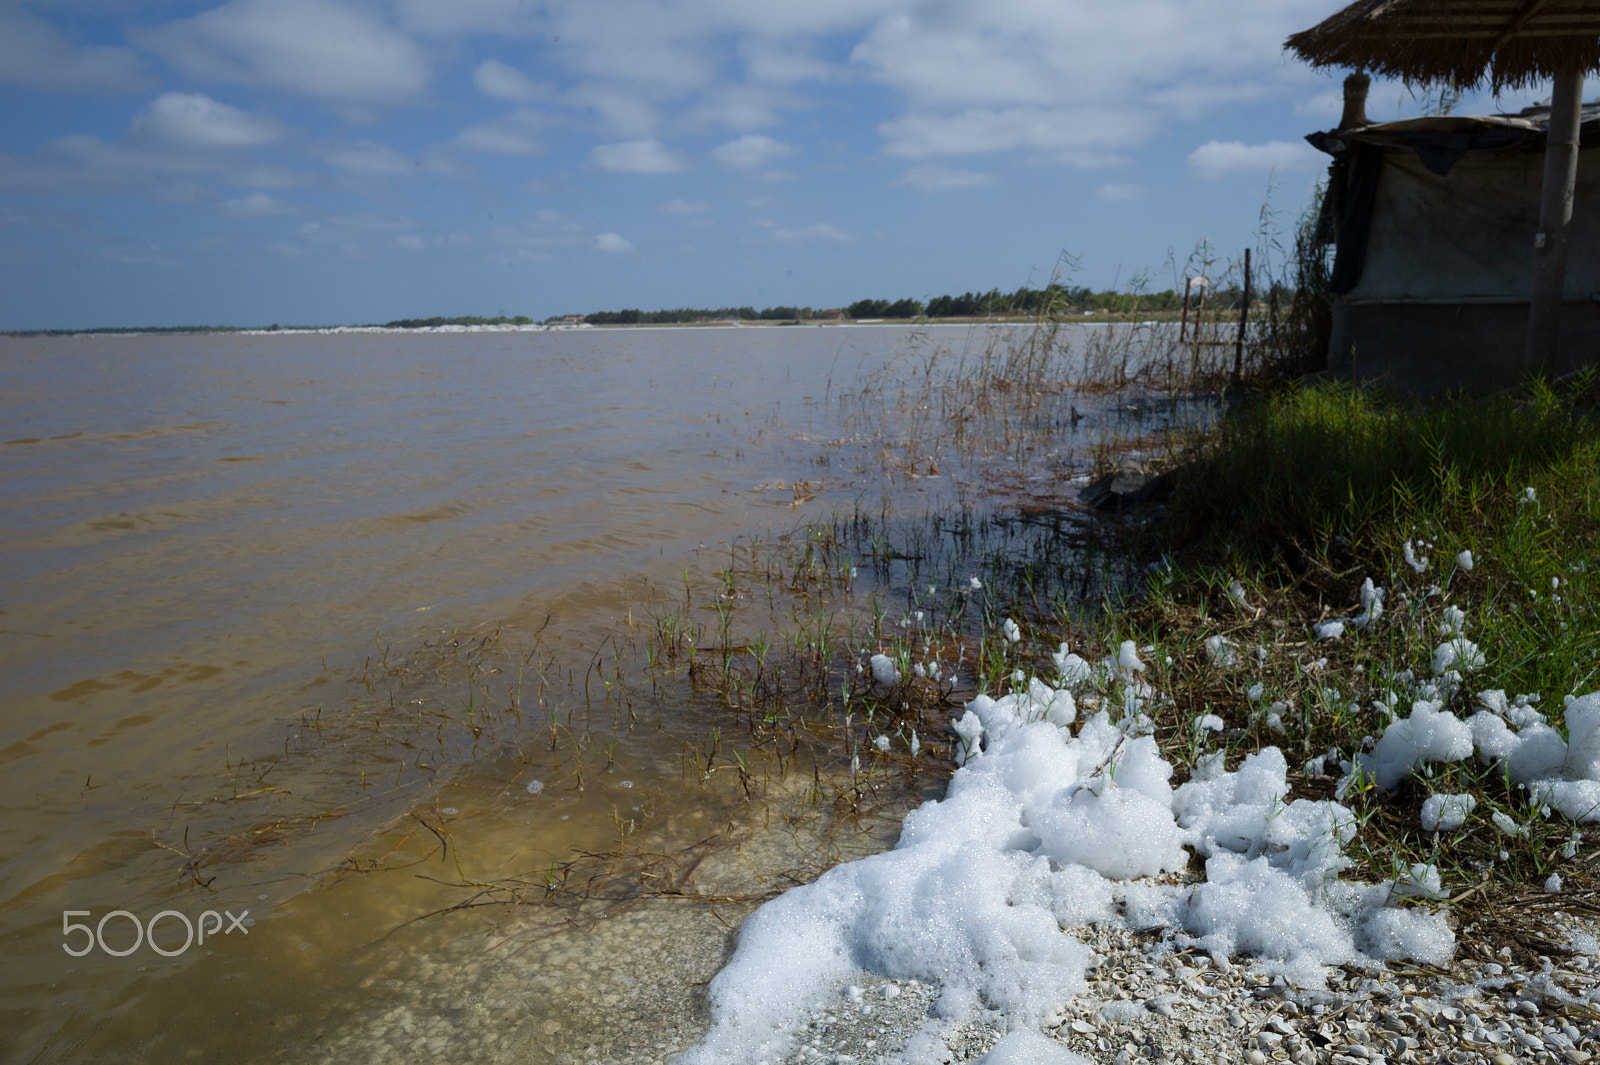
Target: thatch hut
(1463,43)
(1431,276)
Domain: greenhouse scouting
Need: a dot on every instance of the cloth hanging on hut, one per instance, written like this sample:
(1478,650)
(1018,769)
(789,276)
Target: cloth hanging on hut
(1486,211)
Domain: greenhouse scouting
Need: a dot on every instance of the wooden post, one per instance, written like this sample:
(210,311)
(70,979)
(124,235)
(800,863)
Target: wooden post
(1244,315)
(1555,219)
(1183,322)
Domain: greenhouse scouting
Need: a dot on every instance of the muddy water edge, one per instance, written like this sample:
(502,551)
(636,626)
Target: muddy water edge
(443,656)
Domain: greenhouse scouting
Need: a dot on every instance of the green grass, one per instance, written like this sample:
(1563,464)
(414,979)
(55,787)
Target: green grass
(1310,464)
(1308,492)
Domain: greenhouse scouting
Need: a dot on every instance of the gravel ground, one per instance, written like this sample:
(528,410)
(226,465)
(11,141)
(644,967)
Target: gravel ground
(1142,1003)
(631,992)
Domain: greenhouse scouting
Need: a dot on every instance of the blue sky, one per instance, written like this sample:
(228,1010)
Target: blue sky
(339,161)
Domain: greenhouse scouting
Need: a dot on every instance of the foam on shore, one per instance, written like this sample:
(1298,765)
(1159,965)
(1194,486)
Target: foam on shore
(1045,830)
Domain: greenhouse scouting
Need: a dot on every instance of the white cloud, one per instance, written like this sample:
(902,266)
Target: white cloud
(256,205)
(536,240)
(684,207)
(361,236)
(1079,138)
(81,164)
(549,229)
(944,179)
(1113,193)
(1325,106)
(37,55)
(781,63)
(501,81)
(324,48)
(341,227)
(816,231)
(368,157)
(751,150)
(194,120)
(41,218)
(1218,159)
(663,45)
(742,106)
(628,112)
(499,17)
(512,134)
(638,157)
(1081,82)
(612,242)
(149,255)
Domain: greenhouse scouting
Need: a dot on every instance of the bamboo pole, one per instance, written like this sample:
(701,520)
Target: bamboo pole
(1555,219)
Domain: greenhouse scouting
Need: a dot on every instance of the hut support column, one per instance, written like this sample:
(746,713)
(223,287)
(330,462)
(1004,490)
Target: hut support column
(1555,218)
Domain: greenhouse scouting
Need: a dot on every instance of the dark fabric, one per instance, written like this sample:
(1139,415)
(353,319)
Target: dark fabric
(1362,164)
(1332,208)
(1441,140)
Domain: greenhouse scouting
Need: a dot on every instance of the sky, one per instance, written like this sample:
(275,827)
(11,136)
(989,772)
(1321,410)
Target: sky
(344,161)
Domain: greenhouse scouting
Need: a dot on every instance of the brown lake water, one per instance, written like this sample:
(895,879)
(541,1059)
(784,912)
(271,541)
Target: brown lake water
(285,623)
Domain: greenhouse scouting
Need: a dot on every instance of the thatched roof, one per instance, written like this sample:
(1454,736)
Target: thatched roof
(1511,43)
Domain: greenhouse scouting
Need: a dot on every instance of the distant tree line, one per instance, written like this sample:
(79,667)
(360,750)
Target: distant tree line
(906,308)
(678,315)
(436,321)
(1023,301)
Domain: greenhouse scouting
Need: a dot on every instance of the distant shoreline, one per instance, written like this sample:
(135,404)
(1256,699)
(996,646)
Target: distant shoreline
(567,327)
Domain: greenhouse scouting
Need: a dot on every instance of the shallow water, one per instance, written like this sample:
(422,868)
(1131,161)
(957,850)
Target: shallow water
(247,580)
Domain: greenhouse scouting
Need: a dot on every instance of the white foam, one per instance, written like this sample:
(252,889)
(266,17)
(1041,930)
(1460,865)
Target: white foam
(1037,835)
(1583,738)
(1236,595)
(1446,813)
(1025,1047)
(1458,653)
(1429,734)
(1220,651)
(1577,800)
(1072,670)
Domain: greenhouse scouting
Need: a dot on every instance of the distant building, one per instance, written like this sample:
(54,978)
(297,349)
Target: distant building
(1433,221)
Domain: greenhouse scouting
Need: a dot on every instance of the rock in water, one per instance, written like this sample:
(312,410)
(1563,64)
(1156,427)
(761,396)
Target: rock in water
(1123,487)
